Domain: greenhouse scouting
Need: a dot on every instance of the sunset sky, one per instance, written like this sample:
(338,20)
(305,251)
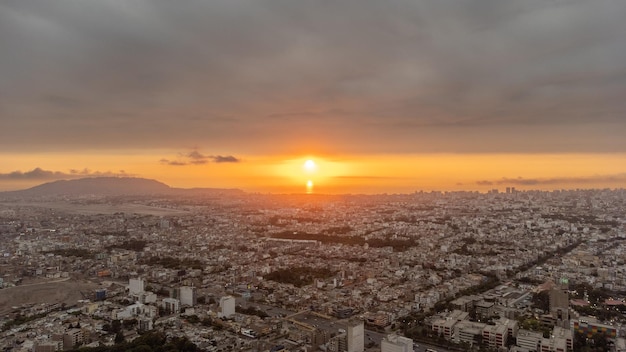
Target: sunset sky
(383,96)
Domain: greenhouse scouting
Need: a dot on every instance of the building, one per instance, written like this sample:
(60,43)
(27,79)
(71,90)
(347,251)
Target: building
(171,305)
(337,343)
(227,306)
(90,308)
(72,338)
(101,294)
(590,325)
(559,303)
(512,326)
(188,296)
(48,346)
(465,303)
(495,336)
(565,334)
(561,340)
(445,326)
(468,332)
(484,309)
(529,340)
(145,324)
(395,343)
(301,332)
(380,319)
(553,345)
(355,336)
(135,286)
(146,297)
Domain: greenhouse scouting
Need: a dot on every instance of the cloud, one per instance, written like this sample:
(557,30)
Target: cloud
(354,76)
(617,179)
(194,157)
(41,174)
(224,159)
(172,162)
(197,158)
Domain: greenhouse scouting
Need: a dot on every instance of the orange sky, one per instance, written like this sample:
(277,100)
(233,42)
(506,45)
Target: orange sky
(401,173)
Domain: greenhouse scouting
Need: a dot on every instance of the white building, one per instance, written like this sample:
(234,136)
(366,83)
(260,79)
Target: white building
(146,297)
(529,340)
(468,332)
(135,286)
(171,305)
(188,296)
(227,305)
(135,310)
(355,337)
(395,343)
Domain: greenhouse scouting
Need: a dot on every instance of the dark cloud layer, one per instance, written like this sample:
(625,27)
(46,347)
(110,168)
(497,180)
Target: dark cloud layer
(39,174)
(354,76)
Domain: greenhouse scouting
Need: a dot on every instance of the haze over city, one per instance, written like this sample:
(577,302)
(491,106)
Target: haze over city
(390,96)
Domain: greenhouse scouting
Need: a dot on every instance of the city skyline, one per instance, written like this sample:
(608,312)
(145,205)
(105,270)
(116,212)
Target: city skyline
(399,97)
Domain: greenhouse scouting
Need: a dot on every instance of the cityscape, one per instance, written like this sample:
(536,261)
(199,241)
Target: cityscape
(429,271)
(298,175)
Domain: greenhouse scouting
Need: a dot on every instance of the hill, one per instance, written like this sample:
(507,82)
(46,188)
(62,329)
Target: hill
(114,186)
(102,186)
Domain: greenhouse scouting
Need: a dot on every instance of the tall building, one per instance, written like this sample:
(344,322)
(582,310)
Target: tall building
(355,336)
(337,343)
(187,296)
(227,306)
(559,303)
(135,286)
(395,343)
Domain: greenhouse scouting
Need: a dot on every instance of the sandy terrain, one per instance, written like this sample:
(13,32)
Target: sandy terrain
(93,209)
(66,291)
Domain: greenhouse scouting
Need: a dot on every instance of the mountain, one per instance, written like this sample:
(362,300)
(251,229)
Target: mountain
(114,186)
(104,186)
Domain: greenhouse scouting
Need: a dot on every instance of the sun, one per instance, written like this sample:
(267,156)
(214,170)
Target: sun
(309,166)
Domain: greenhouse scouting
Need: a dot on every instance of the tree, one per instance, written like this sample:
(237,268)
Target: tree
(541,300)
(142,348)
(119,337)
(116,326)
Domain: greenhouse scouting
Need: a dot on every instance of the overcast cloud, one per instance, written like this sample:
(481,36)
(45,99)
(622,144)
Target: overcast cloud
(359,76)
